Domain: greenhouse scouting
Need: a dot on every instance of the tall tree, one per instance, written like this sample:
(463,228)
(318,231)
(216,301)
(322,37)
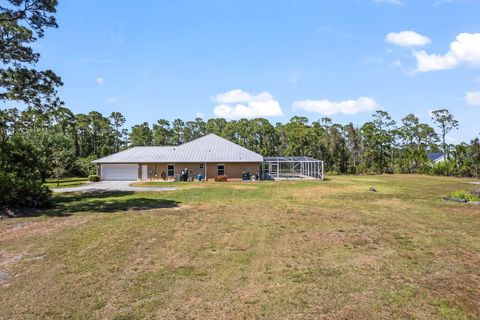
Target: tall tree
(117,121)
(22,23)
(474,155)
(446,123)
(379,136)
(178,132)
(415,138)
(217,126)
(162,135)
(353,138)
(141,135)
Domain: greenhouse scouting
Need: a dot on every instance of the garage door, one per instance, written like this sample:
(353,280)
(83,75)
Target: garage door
(119,172)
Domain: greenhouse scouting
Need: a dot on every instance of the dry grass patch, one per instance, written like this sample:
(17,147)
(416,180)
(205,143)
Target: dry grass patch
(298,250)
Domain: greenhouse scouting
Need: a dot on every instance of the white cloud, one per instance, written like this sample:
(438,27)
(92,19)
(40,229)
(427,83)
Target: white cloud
(473,98)
(327,107)
(407,39)
(440,2)
(238,104)
(464,50)
(397,2)
(397,64)
(100,81)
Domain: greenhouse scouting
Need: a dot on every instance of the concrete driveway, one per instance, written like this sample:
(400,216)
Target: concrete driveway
(103,186)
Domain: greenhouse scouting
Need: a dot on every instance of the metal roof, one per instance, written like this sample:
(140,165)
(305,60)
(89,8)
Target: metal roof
(289,159)
(435,156)
(209,148)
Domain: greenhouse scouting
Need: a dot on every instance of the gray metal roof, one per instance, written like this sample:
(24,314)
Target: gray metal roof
(209,148)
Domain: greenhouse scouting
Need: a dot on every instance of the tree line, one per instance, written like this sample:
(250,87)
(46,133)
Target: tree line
(378,146)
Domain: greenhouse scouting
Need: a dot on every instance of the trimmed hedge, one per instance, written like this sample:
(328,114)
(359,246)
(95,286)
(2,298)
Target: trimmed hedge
(93,178)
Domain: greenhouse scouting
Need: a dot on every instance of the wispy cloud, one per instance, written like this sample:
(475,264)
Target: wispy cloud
(111,100)
(440,2)
(472,98)
(100,81)
(236,104)
(328,108)
(396,2)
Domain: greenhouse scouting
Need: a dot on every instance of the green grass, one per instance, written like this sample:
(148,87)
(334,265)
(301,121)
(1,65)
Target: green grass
(66,182)
(271,250)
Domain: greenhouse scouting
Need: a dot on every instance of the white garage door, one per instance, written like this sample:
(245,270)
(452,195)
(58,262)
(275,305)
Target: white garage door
(119,172)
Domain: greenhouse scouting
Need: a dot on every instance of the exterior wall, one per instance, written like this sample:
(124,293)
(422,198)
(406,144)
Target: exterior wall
(233,170)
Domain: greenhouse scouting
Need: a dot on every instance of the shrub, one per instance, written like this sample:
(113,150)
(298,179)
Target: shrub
(221,178)
(465,195)
(23,193)
(84,167)
(93,178)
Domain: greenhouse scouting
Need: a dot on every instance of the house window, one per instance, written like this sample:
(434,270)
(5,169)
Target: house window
(220,169)
(201,166)
(170,170)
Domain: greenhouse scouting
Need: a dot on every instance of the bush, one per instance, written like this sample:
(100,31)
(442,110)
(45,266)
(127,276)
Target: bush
(465,195)
(23,193)
(221,178)
(83,167)
(93,178)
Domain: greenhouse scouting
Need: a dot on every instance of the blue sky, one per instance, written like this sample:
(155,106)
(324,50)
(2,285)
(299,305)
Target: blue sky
(180,59)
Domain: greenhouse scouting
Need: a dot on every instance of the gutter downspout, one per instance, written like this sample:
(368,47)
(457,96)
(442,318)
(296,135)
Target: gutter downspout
(206,171)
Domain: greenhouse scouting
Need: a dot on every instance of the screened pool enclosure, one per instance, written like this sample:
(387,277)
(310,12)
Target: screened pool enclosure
(282,168)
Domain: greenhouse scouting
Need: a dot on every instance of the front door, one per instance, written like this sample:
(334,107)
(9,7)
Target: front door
(273,169)
(144,172)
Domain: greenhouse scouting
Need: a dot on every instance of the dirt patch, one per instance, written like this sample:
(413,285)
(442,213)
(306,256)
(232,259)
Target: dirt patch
(316,191)
(20,230)
(6,258)
(237,187)
(4,276)
(456,209)
(336,237)
(5,261)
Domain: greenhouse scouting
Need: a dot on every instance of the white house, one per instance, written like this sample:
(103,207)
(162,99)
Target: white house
(436,157)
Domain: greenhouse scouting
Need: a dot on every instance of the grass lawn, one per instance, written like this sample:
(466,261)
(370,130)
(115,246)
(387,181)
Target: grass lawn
(66,182)
(271,250)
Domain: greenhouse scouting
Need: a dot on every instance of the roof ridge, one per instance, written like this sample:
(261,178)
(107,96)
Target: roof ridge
(209,147)
(204,136)
(217,136)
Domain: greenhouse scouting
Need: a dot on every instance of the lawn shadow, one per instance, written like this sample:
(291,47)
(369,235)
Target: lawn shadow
(103,202)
